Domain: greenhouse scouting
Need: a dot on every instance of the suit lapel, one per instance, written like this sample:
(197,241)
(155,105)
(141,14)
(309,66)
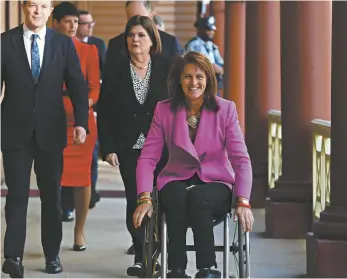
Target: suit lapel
(47,53)
(153,87)
(18,42)
(202,132)
(127,81)
(181,133)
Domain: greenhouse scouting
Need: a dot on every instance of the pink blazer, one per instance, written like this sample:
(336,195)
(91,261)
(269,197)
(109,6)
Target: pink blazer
(219,153)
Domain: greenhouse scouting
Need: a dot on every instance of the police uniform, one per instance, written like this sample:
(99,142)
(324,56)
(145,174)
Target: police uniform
(208,48)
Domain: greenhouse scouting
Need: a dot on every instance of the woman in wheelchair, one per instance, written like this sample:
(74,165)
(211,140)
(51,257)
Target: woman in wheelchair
(207,156)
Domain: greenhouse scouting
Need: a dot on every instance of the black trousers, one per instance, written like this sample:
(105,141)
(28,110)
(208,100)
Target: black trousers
(48,166)
(128,163)
(67,198)
(196,207)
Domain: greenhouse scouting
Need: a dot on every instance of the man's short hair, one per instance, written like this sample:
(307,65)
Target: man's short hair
(64,9)
(158,20)
(84,12)
(147,4)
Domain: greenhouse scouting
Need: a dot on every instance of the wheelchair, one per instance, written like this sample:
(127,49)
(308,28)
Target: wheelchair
(156,245)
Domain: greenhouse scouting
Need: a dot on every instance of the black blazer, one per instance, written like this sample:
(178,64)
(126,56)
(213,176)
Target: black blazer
(37,108)
(170,45)
(101,46)
(121,118)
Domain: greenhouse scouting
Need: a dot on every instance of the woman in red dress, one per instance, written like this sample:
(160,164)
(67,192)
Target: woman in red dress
(78,158)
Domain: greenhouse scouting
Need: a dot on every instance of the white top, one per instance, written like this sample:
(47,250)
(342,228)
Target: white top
(141,88)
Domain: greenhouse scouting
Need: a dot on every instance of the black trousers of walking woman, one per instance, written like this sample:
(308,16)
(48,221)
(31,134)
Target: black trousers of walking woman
(196,207)
(128,162)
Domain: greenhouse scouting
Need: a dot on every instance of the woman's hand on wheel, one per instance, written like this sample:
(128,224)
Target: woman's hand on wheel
(140,213)
(245,216)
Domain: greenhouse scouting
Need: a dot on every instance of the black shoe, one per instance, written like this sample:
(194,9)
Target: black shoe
(135,270)
(208,273)
(67,216)
(131,250)
(53,265)
(94,199)
(92,204)
(177,273)
(79,248)
(155,274)
(13,267)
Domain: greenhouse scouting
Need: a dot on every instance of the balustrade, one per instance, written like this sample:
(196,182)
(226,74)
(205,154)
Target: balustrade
(321,165)
(275,146)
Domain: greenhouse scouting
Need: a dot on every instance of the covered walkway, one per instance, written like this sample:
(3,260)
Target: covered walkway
(286,70)
(107,239)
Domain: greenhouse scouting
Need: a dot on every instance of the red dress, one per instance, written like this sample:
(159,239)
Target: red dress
(78,158)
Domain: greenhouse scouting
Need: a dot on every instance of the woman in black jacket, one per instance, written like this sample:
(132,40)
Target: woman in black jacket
(132,85)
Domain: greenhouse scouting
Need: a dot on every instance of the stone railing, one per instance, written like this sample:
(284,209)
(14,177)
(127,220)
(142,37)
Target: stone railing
(321,165)
(275,146)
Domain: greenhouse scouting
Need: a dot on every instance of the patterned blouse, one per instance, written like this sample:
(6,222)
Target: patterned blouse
(141,91)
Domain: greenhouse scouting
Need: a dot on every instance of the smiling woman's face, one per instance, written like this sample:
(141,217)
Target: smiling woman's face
(193,82)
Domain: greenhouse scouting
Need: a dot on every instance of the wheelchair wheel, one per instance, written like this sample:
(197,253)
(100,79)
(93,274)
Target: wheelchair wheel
(152,243)
(241,251)
(240,246)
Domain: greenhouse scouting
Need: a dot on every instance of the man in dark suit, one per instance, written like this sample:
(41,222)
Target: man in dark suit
(170,45)
(84,33)
(35,63)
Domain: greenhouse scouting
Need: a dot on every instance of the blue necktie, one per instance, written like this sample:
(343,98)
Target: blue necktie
(35,58)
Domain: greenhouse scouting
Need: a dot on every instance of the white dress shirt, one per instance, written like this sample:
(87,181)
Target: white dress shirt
(84,40)
(28,41)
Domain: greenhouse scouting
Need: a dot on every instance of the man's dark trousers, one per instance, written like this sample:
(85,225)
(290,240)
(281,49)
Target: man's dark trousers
(48,166)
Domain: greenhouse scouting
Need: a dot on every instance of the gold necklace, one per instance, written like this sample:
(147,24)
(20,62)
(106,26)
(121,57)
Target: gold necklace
(193,120)
(139,67)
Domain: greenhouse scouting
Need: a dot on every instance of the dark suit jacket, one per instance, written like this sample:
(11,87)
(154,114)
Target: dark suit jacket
(101,46)
(32,108)
(121,118)
(170,45)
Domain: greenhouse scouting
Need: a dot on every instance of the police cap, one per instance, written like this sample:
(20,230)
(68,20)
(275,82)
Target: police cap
(207,23)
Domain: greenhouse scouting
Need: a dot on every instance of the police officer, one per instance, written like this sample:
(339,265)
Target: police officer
(203,43)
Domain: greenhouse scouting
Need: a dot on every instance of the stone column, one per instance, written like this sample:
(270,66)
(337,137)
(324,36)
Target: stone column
(218,11)
(327,245)
(235,46)
(14,14)
(305,94)
(5,9)
(263,87)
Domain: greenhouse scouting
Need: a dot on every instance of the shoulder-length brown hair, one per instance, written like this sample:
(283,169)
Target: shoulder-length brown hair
(174,80)
(152,31)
